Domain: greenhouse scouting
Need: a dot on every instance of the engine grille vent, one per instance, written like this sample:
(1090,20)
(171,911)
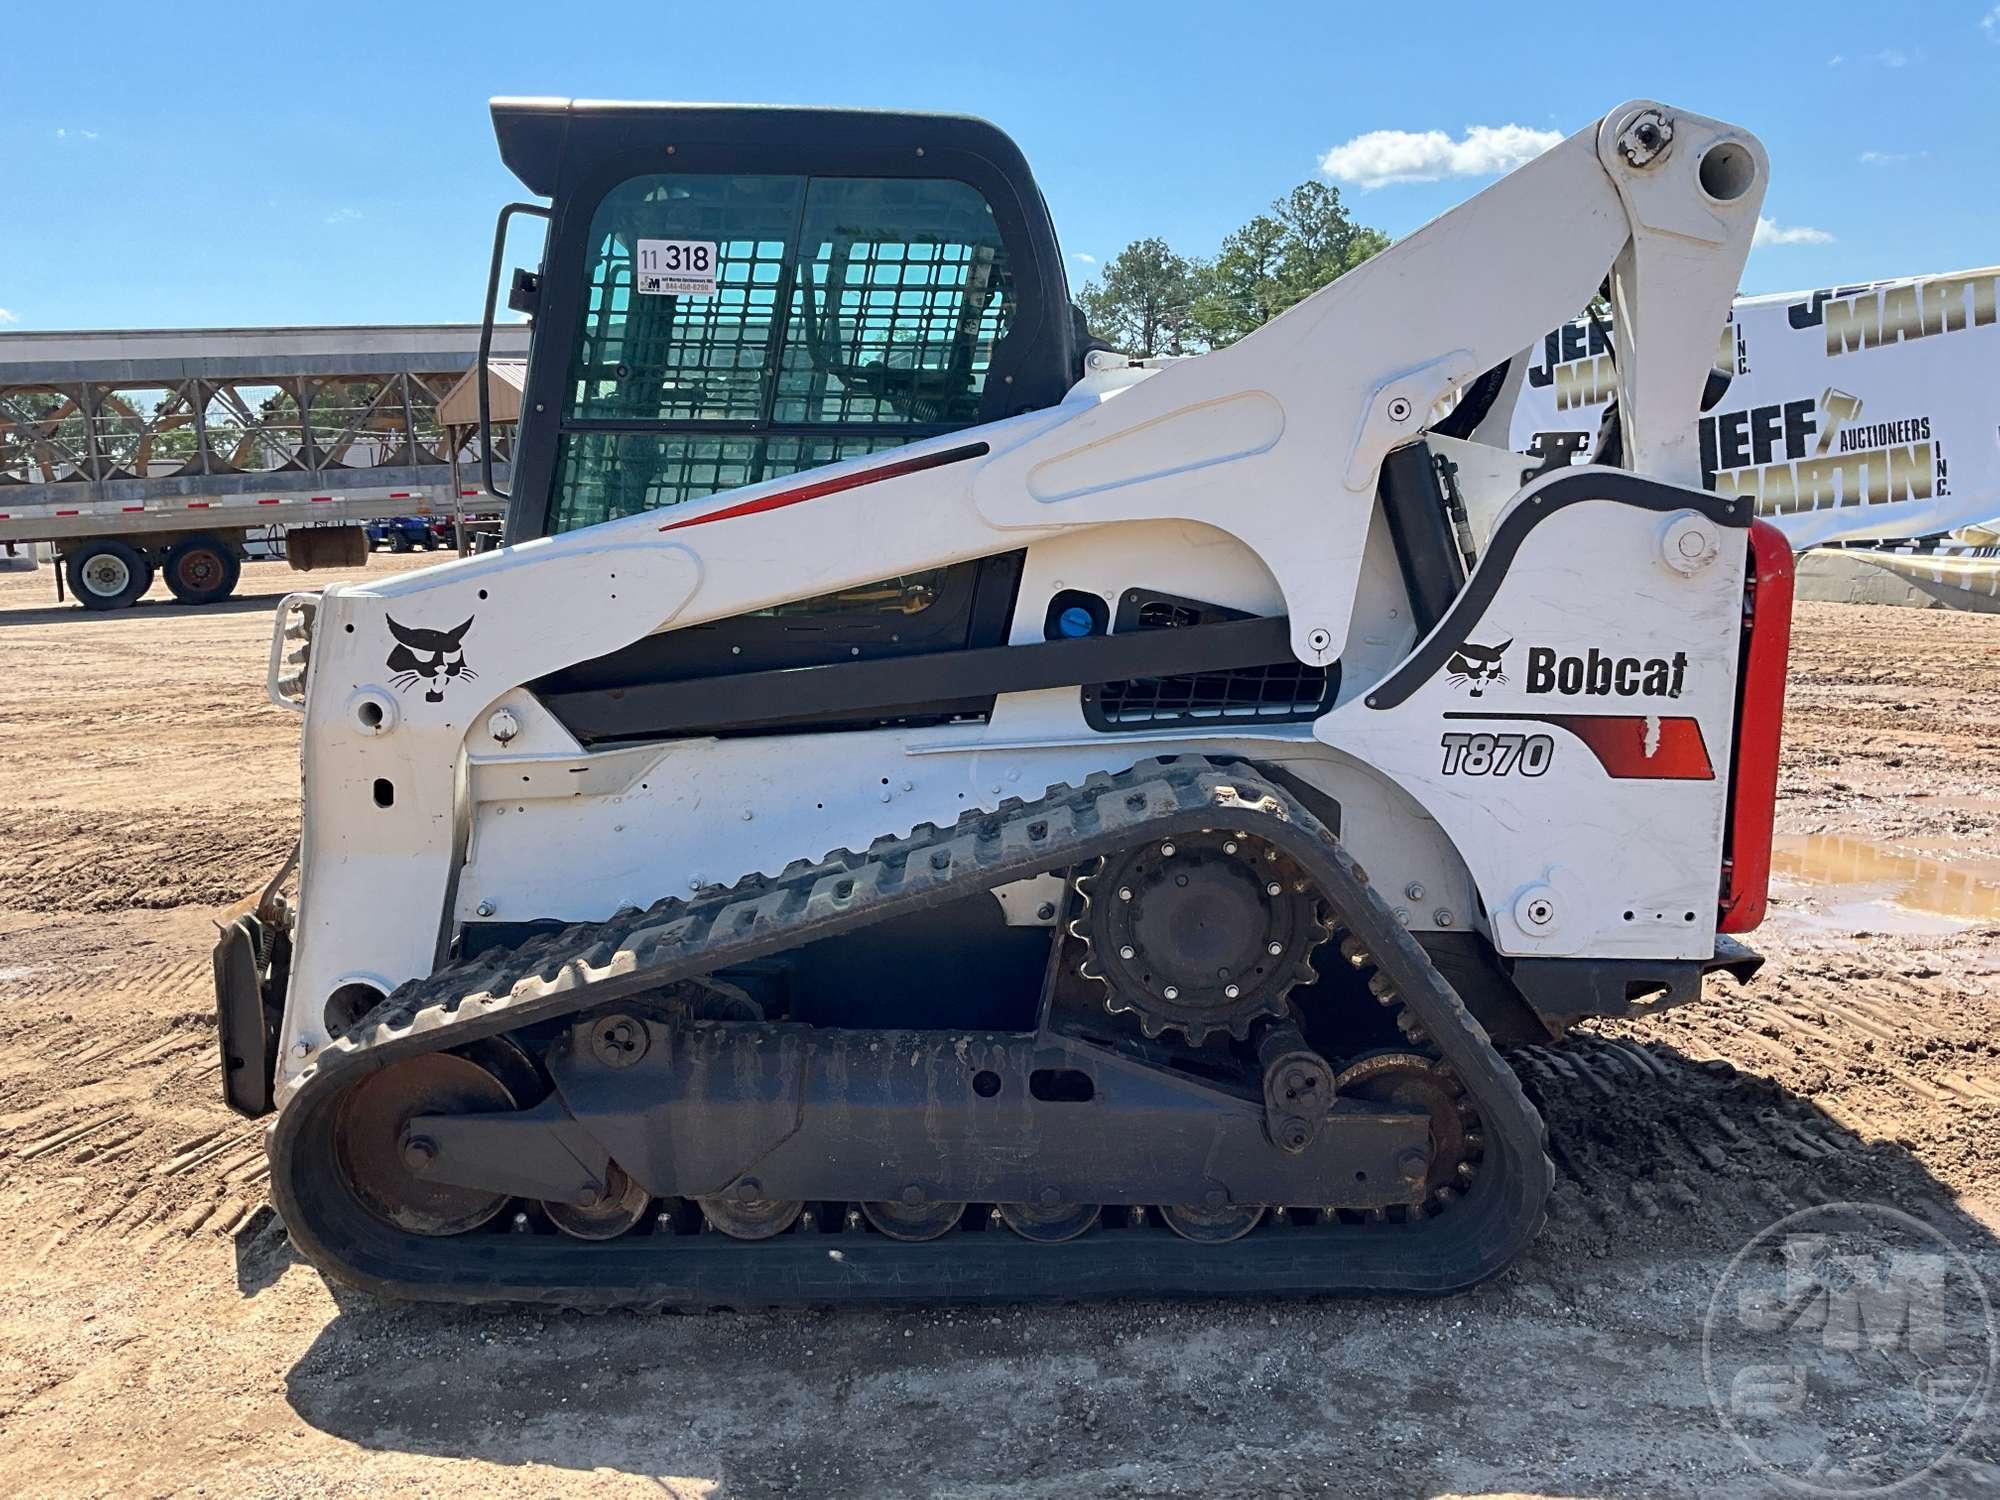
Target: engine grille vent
(1281,692)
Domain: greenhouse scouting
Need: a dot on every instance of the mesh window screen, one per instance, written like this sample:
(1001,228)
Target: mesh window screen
(894,294)
(901,292)
(686,359)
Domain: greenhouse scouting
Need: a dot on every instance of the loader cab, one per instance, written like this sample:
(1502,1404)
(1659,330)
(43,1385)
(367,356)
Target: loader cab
(732,294)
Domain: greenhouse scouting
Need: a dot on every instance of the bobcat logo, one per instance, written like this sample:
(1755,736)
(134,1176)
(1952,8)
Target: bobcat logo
(433,657)
(1476,666)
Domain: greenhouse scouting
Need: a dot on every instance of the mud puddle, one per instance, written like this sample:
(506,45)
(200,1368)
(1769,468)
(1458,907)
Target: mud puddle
(1834,881)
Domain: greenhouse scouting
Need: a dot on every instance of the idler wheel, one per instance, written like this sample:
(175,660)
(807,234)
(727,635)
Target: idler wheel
(385,1171)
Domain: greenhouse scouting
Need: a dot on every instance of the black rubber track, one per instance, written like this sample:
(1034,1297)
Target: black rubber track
(594,964)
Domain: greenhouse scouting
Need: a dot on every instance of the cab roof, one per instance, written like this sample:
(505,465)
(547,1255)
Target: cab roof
(536,134)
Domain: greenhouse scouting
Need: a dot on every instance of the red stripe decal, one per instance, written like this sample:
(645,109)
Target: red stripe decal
(267,502)
(69,512)
(399,494)
(139,508)
(197,505)
(1638,747)
(321,499)
(834,486)
(1631,747)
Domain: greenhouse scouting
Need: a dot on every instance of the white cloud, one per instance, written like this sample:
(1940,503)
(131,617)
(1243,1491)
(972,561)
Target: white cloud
(1384,156)
(1893,57)
(1769,232)
(343,216)
(8,315)
(1889,158)
(1990,24)
(1088,260)
(1836,60)
(64,133)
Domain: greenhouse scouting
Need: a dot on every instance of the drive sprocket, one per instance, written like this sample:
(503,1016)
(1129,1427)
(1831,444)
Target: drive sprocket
(1199,933)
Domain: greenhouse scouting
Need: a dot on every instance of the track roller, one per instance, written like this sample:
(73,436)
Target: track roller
(913,1221)
(751,1218)
(1048,1224)
(1211,1226)
(621,1208)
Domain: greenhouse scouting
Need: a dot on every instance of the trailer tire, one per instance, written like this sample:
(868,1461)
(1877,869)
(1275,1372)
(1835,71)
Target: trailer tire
(202,569)
(399,541)
(108,574)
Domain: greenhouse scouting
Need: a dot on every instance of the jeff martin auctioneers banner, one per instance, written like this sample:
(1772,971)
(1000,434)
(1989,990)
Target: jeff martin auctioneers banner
(1852,412)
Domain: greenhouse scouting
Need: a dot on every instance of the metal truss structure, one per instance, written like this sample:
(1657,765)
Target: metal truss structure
(133,418)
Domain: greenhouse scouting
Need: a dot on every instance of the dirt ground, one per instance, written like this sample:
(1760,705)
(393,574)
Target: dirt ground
(158,1338)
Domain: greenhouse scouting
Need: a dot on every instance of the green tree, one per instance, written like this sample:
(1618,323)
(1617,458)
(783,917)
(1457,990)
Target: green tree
(1153,301)
(1321,242)
(1242,287)
(1142,302)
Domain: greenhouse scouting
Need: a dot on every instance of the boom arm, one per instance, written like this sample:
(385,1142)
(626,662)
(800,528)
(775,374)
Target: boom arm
(1308,405)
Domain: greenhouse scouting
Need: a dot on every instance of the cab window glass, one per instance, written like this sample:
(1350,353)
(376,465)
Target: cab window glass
(901,291)
(649,357)
(847,315)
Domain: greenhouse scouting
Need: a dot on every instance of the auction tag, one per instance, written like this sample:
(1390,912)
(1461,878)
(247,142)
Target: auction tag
(676,268)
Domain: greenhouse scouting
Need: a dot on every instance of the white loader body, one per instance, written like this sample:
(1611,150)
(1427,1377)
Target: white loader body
(1246,476)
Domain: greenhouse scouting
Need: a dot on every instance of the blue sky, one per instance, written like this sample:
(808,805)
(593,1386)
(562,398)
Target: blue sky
(202,163)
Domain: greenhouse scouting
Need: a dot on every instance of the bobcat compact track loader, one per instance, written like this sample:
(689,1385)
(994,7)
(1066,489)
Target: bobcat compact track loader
(928,807)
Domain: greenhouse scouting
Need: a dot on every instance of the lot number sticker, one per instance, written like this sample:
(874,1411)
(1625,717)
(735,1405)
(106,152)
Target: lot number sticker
(676,268)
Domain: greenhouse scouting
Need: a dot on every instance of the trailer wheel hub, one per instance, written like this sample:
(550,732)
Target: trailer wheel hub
(198,570)
(107,575)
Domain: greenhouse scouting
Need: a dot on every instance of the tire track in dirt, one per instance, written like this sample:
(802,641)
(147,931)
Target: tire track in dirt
(1866,1069)
(1656,1149)
(63,860)
(114,1130)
